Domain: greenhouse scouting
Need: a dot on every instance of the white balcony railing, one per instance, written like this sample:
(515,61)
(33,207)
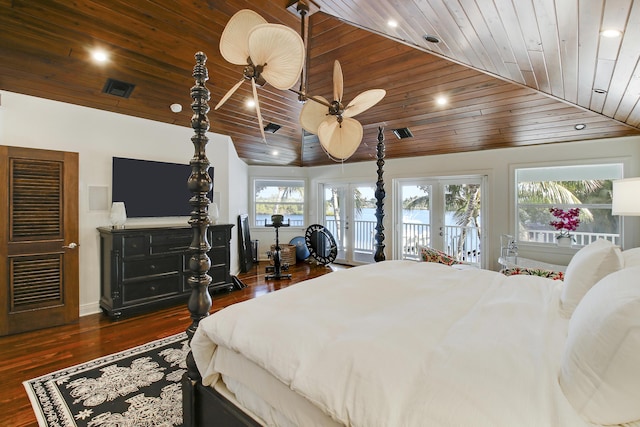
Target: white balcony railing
(580,238)
(469,250)
(415,235)
(462,243)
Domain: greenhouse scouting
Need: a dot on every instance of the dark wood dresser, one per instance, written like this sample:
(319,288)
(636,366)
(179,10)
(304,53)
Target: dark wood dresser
(145,268)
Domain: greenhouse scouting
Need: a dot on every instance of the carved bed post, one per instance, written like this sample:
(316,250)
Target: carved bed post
(379,255)
(199,184)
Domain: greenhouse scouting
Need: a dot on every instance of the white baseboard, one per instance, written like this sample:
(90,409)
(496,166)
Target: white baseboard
(87,309)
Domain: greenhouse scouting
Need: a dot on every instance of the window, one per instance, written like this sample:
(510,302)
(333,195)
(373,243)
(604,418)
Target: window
(278,196)
(588,187)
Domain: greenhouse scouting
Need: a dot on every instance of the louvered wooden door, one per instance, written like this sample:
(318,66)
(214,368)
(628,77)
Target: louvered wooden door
(38,239)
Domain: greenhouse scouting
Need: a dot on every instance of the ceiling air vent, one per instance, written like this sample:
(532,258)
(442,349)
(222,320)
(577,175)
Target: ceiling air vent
(402,133)
(118,88)
(272,128)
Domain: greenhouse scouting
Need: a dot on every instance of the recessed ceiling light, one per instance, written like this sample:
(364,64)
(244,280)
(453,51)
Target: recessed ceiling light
(441,100)
(392,23)
(99,55)
(176,108)
(580,126)
(274,153)
(611,33)
(251,103)
(600,91)
(431,38)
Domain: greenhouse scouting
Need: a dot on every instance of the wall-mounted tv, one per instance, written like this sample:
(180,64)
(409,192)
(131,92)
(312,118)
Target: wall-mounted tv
(152,189)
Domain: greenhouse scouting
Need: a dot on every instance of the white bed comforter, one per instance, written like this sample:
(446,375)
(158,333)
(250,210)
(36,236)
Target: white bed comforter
(403,343)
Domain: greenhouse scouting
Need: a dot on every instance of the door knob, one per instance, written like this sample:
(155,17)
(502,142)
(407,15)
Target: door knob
(71,245)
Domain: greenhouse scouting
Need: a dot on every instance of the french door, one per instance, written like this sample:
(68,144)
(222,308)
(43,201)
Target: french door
(349,214)
(443,213)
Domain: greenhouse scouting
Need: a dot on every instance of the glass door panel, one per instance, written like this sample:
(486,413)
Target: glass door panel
(462,225)
(363,226)
(349,214)
(441,213)
(415,215)
(334,209)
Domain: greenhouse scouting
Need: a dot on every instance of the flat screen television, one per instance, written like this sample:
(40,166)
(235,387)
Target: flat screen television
(152,189)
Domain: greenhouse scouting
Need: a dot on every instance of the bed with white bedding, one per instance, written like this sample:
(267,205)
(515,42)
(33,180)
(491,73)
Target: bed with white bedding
(404,343)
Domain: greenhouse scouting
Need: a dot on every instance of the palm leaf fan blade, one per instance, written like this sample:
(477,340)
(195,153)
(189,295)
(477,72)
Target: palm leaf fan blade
(234,41)
(255,99)
(340,140)
(363,102)
(338,81)
(229,93)
(312,114)
(280,50)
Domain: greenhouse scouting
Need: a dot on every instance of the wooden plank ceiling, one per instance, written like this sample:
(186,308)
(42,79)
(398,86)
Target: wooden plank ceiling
(515,73)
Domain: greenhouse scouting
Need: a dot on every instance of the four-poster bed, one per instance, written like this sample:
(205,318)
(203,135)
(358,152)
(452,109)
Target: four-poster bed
(413,343)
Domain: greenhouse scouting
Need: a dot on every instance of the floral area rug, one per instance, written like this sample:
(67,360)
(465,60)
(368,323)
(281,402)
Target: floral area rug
(139,387)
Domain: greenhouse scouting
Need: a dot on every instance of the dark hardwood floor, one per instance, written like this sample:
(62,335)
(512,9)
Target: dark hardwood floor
(31,354)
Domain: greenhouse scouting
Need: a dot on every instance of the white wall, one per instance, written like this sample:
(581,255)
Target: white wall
(497,165)
(98,136)
(234,201)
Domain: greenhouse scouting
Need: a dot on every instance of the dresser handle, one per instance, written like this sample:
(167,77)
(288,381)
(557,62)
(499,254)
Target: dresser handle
(153,266)
(152,289)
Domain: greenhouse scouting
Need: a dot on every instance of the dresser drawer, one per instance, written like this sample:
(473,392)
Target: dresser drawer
(170,242)
(135,245)
(218,274)
(218,256)
(150,289)
(218,238)
(132,269)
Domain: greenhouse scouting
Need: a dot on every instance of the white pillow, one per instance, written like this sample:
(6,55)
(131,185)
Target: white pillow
(631,257)
(586,268)
(600,372)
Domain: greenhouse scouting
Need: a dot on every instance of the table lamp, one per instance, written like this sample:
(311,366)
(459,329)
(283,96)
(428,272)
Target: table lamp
(626,197)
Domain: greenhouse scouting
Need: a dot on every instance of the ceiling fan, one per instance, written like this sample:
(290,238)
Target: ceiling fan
(271,53)
(339,134)
(275,54)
